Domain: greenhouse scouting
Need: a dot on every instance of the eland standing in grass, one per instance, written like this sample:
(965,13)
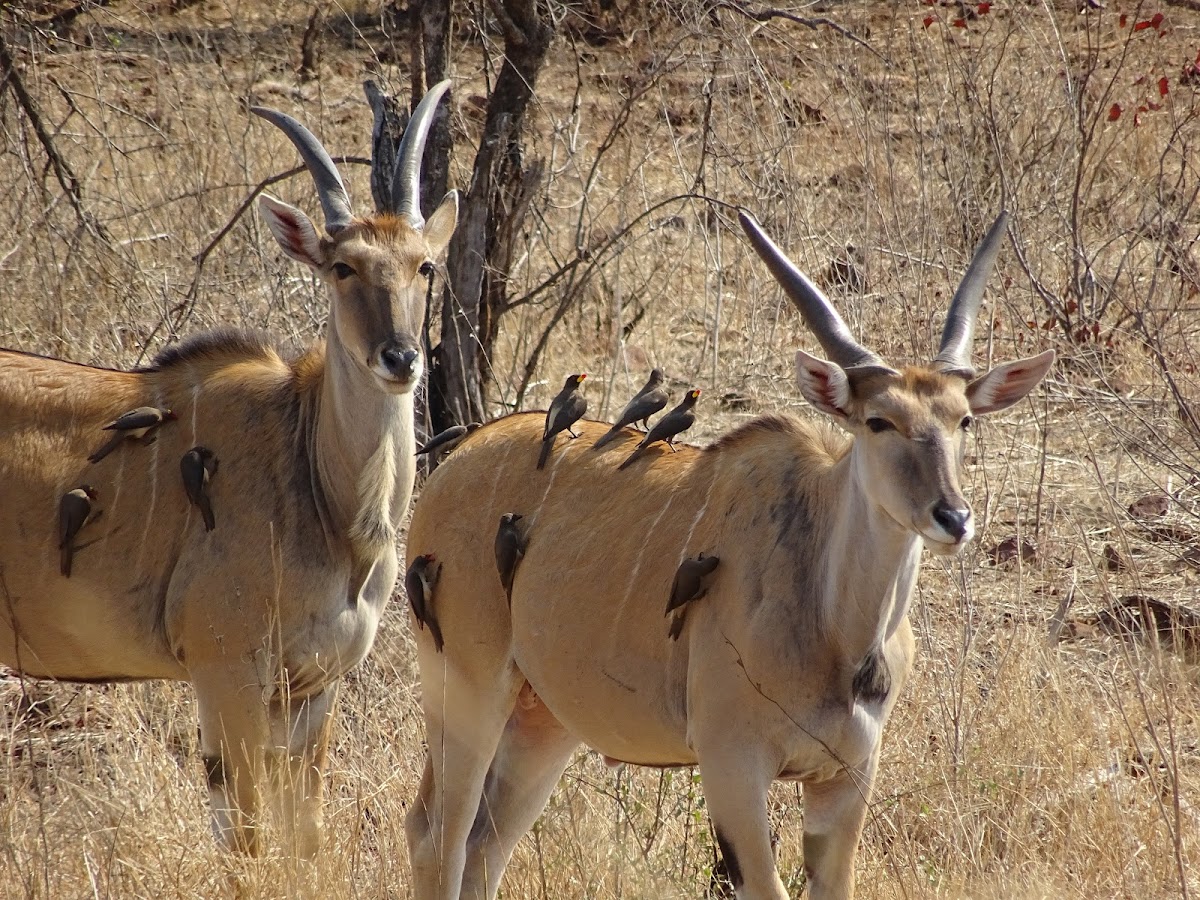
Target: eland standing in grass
(790,666)
(264,614)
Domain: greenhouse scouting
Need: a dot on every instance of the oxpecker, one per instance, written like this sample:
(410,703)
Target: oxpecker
(565,410)
(447,440)
(136,425)
(75,510)
(420,582)
(510,549)
(197,467)
(645,403)
(692,579)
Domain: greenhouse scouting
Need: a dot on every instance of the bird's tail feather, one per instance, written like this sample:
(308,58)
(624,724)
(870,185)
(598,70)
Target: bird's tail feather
(547,446)
(107,448)
(632,458)
(607,437)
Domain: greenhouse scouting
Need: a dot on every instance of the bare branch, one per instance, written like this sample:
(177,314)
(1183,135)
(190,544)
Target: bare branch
(766,15)
(512,32)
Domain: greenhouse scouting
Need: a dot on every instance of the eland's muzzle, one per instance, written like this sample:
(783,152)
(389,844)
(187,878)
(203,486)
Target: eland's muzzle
(399,361)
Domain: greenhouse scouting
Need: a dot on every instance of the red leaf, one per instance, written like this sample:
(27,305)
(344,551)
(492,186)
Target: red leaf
(1142,26)
(1163,86)
(983,8)
(1114,112)
(1151,106)
(927,21)
(1123,20)
(1157,20)
(959,23)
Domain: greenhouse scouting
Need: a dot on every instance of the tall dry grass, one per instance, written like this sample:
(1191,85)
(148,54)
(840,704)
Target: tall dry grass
(1016,765)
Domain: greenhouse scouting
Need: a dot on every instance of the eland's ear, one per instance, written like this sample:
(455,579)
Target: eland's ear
(823,384)
(440,226)
(293,230)
(1005,385)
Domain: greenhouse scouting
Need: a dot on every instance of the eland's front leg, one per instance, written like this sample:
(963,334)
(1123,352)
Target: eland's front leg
(735,790)
(300,738)
(834,812)
(464,719)
(234,737)
(529,761)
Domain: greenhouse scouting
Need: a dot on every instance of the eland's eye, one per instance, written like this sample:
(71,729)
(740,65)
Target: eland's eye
(877,424)
(342,271)
(426,269)
(966,423)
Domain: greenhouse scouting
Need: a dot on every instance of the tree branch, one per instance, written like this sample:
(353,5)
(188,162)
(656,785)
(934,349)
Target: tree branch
(766,15)
(62,169)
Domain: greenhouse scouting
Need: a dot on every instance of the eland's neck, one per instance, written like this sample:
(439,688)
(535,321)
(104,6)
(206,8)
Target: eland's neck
(364,453)
(871,567)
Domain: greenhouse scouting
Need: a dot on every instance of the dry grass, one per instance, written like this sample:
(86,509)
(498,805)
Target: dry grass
(1014,766)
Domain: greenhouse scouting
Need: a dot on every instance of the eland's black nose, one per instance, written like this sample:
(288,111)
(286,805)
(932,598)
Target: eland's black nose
(952,520)
(401,361)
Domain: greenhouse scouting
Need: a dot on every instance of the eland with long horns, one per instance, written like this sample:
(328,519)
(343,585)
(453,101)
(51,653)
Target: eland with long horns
(789,665)
(265,612)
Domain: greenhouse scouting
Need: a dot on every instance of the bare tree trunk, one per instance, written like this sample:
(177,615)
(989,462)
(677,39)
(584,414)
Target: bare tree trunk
(482,249)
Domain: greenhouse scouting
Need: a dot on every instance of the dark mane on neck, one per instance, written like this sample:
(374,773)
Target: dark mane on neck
(217,345)
(821,442)
(771,423)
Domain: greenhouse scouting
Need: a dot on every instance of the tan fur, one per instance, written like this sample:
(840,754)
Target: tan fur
(266,612)
(788,668)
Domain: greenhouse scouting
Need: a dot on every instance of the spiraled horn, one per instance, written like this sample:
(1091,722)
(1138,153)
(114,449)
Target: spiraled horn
(406,176)
(819,315)
(954,357)
(332,193)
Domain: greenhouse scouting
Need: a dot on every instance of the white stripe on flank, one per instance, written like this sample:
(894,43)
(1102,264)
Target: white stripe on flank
(683,550)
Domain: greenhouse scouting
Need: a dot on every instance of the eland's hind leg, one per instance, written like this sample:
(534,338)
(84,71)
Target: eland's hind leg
(465,715)
(532,755)
(300,742)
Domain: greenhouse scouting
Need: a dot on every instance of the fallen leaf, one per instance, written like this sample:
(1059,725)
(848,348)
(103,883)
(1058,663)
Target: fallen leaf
(1151,506)
(1010,548)
(1113,560)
